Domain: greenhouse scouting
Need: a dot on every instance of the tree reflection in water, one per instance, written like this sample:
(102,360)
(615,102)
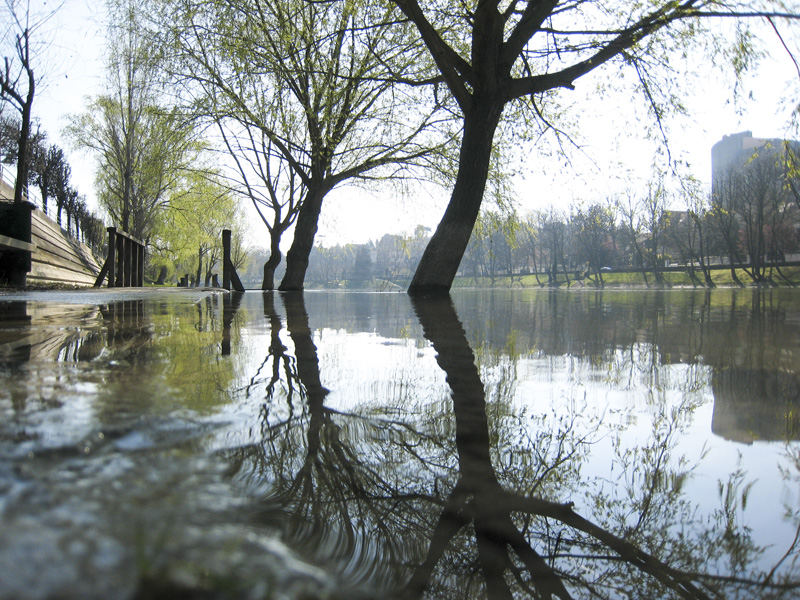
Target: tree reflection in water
(422,505)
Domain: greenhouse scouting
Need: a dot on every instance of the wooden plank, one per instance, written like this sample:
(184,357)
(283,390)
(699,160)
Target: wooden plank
(15,244)
(62,266)
(54,237)
(53,241)
(47,253)
(47,273)
(38,265)
(59,259)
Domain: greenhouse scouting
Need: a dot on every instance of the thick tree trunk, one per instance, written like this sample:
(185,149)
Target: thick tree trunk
(162,275)
(439,263)
(304,231)
(273,261)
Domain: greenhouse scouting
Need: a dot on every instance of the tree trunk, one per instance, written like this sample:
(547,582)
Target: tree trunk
(273,261)
(162,275)
(43,193)
(304,231)
(702,257)
(23,154)
(734,276)
(442,256)
(199,266)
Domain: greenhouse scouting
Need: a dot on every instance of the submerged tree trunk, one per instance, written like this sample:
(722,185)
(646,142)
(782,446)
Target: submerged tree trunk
(442,256)
(272,262)
(304,231)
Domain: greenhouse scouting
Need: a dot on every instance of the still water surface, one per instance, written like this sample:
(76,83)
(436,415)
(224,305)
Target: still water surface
(500,444)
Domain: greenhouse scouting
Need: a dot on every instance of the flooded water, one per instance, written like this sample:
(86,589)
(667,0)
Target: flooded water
(543,444)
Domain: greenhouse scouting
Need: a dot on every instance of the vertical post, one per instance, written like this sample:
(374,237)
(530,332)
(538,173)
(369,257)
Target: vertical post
(134,263)
(140,266)
(226,259)
(128,256)
(111,261)
(120,260)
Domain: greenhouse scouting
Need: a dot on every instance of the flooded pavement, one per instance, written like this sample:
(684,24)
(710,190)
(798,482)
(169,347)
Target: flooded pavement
(326,445)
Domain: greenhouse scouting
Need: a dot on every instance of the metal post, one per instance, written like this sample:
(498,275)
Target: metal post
(111,260)
(226,259)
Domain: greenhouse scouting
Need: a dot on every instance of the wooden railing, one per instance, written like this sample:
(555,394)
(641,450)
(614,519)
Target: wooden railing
(124,264)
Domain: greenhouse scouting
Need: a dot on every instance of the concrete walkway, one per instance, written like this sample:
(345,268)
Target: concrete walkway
(106,295)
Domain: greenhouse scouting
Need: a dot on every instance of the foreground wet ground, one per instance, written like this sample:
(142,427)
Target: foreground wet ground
(499,444)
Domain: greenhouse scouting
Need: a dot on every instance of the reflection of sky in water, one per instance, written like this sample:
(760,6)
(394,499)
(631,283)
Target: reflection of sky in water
(156,396)
(626,407)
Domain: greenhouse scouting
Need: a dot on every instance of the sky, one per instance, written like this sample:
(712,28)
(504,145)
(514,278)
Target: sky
(614,154)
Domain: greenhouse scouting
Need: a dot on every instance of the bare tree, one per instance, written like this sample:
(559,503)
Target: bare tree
(18,81)
(315,80)
(493,55)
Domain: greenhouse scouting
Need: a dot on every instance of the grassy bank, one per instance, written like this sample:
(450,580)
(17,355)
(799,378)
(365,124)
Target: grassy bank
(720,277)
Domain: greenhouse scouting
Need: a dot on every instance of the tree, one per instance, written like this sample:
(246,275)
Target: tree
(143,146)
(315,78)
(390,253)
(697,242)
(61,188)
(362,268)
(760,204)
(553,236)
(653,207)
(45,163)
(593,228)
(491,54)
(726,226)
(18,84)
(275,189)
(633,227)
(9,137)
(187,236)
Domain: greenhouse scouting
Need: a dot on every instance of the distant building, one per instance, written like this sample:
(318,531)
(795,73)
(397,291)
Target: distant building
(733,152)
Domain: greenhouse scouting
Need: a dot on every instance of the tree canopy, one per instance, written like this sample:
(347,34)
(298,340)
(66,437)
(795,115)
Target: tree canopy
(490,54)
(316,80)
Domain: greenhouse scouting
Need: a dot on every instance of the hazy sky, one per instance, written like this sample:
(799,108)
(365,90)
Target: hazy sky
(614,153)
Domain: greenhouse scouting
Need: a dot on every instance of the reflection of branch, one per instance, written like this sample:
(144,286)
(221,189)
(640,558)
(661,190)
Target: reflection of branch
(672,578)
(787,554)
(450,522)
(277,354)
(488,505)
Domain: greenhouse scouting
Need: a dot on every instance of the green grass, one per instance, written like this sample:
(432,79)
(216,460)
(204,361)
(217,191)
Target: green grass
(720,277)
